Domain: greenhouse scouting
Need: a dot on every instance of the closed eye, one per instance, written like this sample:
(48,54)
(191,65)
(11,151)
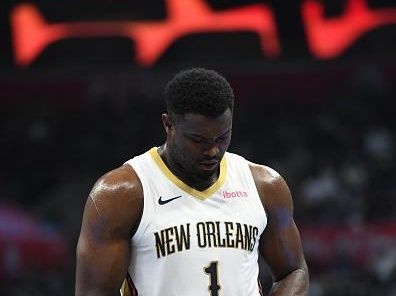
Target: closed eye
(195,139)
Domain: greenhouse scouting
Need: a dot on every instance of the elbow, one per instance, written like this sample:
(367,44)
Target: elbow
(302,276)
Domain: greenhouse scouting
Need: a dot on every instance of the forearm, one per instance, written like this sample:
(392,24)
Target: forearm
(295,283)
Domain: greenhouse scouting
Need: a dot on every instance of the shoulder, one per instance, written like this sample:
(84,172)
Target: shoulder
(264,175)
(118,183)
(121,183)
(272,188)
(117,198)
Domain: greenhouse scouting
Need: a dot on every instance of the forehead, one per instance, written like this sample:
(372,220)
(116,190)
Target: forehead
(199,124)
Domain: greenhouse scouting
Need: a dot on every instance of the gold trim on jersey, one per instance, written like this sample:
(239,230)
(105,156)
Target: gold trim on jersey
(183,186)
(125,289)
(128,288)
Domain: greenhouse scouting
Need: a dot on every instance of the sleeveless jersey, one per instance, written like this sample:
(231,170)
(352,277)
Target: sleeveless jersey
(196,243)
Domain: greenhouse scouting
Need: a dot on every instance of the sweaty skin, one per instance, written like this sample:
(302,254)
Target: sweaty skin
(280,243)
(111,213)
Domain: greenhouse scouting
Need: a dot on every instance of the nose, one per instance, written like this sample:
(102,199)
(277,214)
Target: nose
(211,151)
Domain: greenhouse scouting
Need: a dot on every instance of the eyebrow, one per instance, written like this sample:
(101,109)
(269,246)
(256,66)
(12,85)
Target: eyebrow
(202,137)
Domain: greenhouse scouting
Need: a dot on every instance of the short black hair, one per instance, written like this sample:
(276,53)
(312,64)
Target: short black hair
(199,91)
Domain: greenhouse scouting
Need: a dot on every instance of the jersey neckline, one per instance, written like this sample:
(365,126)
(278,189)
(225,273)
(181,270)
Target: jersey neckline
(204,194)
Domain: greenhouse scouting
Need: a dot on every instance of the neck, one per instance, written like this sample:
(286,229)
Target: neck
(194,181)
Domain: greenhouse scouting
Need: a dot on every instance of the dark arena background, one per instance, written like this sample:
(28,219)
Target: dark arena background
(81,91)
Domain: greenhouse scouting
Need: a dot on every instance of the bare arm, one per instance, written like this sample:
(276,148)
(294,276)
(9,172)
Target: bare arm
(112,210)
(280,244)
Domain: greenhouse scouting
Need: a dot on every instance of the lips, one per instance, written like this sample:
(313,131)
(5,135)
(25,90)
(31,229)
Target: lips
(209,165)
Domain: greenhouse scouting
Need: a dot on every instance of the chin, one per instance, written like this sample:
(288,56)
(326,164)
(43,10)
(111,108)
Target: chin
(205,174)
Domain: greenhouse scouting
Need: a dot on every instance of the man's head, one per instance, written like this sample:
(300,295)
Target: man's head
(199,120)
(198,91)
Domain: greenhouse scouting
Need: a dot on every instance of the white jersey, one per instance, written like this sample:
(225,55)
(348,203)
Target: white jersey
(196,243)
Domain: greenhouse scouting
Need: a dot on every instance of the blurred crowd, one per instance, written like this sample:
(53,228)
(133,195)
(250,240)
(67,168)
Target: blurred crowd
(337,155)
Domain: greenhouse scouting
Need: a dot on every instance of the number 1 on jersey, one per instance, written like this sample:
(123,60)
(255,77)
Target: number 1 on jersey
(214,285)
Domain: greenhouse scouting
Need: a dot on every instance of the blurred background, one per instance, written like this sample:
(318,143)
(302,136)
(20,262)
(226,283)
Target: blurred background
(81,91)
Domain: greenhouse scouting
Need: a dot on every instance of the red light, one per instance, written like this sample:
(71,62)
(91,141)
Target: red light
(32,34)
(330,37)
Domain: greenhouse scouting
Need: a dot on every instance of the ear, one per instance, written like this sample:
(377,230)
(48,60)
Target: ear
(167,123)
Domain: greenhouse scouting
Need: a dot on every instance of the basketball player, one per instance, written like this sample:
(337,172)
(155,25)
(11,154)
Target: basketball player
(188,218)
